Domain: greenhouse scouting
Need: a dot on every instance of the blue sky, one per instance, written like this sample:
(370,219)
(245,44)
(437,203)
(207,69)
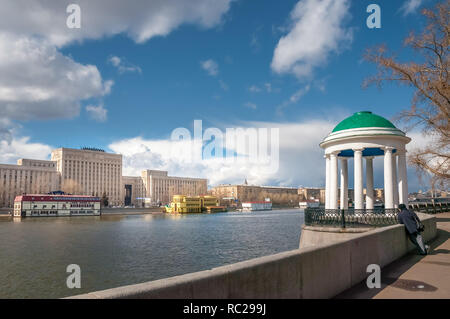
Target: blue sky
(217,66)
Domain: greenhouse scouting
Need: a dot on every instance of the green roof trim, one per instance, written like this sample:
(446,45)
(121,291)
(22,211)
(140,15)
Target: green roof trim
(363,119)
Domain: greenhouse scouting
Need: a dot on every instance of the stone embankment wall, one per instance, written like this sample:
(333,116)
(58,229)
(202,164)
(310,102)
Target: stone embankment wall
(321,271)
(130,211)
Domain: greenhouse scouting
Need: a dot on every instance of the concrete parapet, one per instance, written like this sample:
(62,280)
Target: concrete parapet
(320,271)
(317,235)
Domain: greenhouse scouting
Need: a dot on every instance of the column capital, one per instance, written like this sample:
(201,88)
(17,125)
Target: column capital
(388,149)
(358,149)
(326,155)
(401,152)
(335,153)
(343,159)
(369,158)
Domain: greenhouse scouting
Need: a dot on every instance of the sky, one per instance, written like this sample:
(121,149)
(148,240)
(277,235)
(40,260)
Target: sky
(136,70)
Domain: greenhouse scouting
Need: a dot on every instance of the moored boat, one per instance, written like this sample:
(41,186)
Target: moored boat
(254,206)
(309,204)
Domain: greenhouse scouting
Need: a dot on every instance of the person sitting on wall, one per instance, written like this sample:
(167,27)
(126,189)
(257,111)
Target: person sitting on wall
(413,227)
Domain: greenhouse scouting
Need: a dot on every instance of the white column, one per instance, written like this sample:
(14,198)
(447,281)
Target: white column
(358,179)
(388,181)
(327,181)
(369,183)
(333,181)
(402,178)
(344,184)
(394,179)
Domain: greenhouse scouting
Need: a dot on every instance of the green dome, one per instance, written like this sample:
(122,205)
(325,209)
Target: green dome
(363,119)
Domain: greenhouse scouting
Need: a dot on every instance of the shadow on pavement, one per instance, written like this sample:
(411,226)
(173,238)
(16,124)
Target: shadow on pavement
(395,269)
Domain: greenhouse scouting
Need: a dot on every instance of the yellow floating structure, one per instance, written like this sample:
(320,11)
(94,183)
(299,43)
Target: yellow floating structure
(183,204)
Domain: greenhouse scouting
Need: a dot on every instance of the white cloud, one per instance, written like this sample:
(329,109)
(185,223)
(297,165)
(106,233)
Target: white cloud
(123,66)
(299,155)
(254,89)
(298,94)
(266,86)
(140,20)
(97,113)
(294,98)
(21,147)
(13,146)
(6,127)
(38,82)
(301,158)
(114,60)
(210,66)
(410,6)
(317,29)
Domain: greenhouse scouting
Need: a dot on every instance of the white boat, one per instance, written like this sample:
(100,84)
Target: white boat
(253,206)
(309,204)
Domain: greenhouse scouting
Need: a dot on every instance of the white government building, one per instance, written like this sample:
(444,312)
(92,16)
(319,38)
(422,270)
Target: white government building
(365,135)
(91,172)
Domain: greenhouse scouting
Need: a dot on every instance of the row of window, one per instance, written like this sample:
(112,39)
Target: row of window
(75,212)
(44,213)
(45,206)
(82,205)
(41,164)
(55,212)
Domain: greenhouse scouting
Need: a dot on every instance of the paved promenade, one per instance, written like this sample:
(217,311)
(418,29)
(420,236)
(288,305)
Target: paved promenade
(414,276)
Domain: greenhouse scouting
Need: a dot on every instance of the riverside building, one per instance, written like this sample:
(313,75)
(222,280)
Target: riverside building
(251,193)
(312,193)
(92,172)
(39,205)
(28,176)
(156,187)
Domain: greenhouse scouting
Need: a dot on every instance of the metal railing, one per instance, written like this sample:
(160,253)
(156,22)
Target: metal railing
(377,217)
(430,208)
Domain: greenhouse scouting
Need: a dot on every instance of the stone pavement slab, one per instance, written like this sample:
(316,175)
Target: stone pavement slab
(414,276)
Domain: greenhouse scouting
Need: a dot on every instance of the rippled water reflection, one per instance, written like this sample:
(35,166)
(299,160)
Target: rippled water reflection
(121,250)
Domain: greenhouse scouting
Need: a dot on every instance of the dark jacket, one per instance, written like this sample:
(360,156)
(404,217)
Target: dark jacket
(409,219)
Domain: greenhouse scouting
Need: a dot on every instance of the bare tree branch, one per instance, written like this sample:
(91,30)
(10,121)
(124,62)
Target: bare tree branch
(430,104)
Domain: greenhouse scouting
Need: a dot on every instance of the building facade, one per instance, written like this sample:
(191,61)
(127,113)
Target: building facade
(134,191)
(251,193)
(39,205)
(159,187)
(28,176)
(93,172)
(156,187)
(278,195)
(90,172)
(312,193)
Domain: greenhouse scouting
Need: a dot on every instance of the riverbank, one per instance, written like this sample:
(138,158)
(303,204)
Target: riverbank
(5,212)
(131,211)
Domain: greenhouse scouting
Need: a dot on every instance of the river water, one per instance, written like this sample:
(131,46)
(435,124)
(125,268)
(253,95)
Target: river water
(121,250)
